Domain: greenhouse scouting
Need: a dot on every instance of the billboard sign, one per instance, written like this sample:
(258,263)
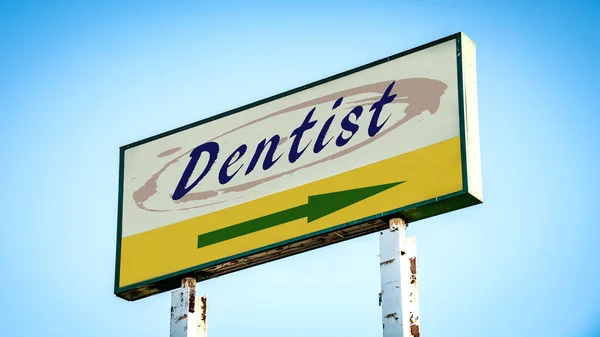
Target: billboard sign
(316,165)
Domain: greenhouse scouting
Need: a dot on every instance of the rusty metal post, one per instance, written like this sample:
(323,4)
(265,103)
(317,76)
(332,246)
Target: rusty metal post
(188,312)
(399,296)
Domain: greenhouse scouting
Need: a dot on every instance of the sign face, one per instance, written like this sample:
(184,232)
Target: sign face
(310,167)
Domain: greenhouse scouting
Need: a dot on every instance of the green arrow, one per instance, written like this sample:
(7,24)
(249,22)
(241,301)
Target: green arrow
(317,207)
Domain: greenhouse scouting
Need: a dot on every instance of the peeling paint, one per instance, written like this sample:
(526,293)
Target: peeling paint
(190,283)
(387,262)
(414,330)
(396,223)
(413,265)
(203,313)
(192,301)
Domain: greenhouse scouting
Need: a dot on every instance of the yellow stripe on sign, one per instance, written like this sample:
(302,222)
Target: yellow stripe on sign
(429,172)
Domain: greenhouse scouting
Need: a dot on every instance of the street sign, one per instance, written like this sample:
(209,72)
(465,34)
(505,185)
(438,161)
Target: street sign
(319,164)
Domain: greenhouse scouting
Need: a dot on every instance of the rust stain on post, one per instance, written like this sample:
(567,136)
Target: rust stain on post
(392,315)
(190,283)
(387,262)
(203,314)
(413,270)
(396,223)
(414,330)
(192,301)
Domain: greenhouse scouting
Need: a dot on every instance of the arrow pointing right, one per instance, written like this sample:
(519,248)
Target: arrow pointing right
(317,207)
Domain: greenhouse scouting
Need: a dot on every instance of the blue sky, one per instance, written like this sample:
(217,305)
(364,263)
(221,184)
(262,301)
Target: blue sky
(79,79)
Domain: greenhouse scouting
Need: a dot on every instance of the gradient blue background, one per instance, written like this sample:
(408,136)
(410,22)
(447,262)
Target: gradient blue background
(79,79)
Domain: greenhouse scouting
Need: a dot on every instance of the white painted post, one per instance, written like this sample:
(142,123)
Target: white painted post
(188,312)
(399,296)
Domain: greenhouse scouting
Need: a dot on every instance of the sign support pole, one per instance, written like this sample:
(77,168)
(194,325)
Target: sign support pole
(188,312)
(399,297)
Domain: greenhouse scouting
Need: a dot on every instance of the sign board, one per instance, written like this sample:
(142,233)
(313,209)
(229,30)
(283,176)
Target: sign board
(316,165)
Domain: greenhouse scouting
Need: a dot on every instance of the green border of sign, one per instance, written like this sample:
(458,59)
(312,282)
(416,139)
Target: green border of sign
(410,213)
